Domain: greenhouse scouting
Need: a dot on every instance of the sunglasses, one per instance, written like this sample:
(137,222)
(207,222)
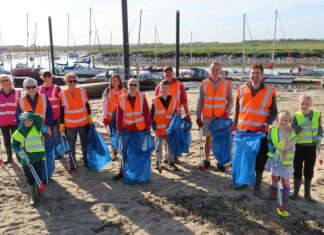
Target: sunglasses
(73,81)
(46,75)
(135,85)
(6,80)
(30,87)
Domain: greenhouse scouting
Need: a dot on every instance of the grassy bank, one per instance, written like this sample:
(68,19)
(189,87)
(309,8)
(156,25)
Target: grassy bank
(296,48)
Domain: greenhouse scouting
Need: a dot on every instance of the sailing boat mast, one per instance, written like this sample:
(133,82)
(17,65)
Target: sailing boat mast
(110,48)
(191,49)
(243,45)
(68,40)
(155,46)
(139,39)
(27,41)
(274,40)
(89,35)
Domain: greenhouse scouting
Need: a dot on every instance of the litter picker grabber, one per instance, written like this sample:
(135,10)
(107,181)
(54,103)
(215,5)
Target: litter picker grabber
(318,153)
(201,153)
(39,183)
(109,134)
(120,153)
(68,154)
(46,170)
(280,210)
(230,176)
(1,159)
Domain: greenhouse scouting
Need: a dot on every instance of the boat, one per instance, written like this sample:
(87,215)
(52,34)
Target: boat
(146,79)
(272,78)
(84,69)
(192,74)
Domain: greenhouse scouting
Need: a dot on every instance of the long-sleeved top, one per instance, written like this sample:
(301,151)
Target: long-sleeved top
(298,128)
(133,128)
(38,122)
(229,98)
(183,92)
(273,110)
(33,102)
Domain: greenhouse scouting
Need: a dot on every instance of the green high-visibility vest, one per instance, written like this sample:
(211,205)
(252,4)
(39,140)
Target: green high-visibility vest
(279,146)
(310,127)
(32,143)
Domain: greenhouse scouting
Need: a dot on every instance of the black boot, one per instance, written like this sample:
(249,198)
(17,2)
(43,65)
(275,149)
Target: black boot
(9,157)
(297,184)
(119,175)
(307,191)
(257,185)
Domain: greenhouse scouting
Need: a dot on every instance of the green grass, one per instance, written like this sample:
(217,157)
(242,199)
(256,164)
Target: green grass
(296,48)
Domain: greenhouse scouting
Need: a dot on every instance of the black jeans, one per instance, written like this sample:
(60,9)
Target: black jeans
(38,168)
(7,132)
(261,158)
(305,157)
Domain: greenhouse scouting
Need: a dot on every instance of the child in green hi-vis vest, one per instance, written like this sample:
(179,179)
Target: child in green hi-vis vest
(308,127)
(27,140)
(281,143)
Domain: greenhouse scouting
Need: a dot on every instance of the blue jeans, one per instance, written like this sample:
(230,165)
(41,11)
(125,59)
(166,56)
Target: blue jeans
(72,135)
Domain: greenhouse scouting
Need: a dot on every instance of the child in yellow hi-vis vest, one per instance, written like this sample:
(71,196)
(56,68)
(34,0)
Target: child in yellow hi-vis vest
(27,143)
(281,142)
(308,127)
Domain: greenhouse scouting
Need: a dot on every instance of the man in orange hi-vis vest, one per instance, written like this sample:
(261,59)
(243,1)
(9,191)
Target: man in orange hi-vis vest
(215,100)
(255,110)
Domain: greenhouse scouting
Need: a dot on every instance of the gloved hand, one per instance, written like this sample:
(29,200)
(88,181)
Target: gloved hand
(199,123)
(318,139)
(153,126)
(279,164)
(234,127)
(61,128)
(90,119)
(276,157)
(226,115)
(22,154)
(188,118)
(44,129)
(105,122)
(270,148)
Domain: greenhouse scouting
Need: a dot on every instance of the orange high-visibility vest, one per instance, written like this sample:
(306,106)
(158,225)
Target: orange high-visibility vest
(175,91)
(75,110)
(214,103)
(254,111)
(133,116)
(162,117)
(40,109)
(112,97)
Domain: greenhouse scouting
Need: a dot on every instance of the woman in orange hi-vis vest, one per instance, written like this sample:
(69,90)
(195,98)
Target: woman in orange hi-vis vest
(110,103)
(215,100)
(255,109)
(163,108)
(75,116)
(133,115)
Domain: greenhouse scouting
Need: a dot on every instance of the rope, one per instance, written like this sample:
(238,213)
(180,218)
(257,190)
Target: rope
(285,40)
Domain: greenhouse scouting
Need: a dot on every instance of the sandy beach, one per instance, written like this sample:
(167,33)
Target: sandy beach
(185,202)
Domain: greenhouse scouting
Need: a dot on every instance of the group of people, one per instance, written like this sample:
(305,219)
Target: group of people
(288,148)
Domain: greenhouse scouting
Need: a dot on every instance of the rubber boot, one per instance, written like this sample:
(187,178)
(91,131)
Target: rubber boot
(33,196)
(9,157)
(272,192)
(297,184)
(257,185)
(307,191)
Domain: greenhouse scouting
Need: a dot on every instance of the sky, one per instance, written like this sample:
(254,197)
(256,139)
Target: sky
(208,20)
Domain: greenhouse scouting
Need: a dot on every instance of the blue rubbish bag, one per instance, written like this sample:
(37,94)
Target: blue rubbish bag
(50,159)
(97,152)
(247,145)
(179,135)
(137,168)
(113,132)
(220,129)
